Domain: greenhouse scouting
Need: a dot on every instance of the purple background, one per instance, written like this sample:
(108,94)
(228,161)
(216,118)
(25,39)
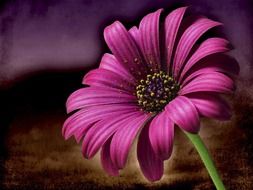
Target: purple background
(63,35)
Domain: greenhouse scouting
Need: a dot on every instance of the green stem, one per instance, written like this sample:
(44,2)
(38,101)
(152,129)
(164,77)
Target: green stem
(206,158)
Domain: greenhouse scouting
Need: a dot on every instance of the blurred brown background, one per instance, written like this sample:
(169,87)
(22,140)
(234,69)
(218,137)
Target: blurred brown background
(45,49)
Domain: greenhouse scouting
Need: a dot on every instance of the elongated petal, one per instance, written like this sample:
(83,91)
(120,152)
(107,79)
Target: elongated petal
(135,33)
(110,63)
(188,39)
(124,49)
(149,31)
(211,105)
(216,63)
(79,123)
(210,82)
(123,139)
(161,135)
(92,96)
(172,23)
(105,78)
(208,47)
(150,164)
(75,122)
(106,160)
(203,71)
(103,130)
(183,112)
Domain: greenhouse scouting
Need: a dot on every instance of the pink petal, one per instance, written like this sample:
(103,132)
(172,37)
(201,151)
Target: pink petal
(103,130)
(215,63)
(172,23)
(80,133)
(183,112)
(209,82)
(161,135)
(108,79)
(149,33)
(150,164)
(188,39)
(124,49)
(135,33)
(106,160)
(123,139)
(208,47)
(74,122)
(210,105)
(109,62)
(80,122)
(92,96)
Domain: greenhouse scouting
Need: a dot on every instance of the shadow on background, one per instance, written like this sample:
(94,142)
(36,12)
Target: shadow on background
(33,95)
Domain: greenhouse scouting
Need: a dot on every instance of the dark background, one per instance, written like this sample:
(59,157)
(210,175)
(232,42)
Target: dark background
(46,46)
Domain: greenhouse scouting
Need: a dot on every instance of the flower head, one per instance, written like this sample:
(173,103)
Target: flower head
(157,77)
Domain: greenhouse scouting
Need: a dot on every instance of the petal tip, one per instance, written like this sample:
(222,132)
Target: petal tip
(183,8)
(108,29)
(153,179)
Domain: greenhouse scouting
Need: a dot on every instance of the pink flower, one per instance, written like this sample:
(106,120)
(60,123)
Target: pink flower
(157,77)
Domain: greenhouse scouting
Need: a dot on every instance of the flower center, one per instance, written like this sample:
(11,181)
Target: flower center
(156,91)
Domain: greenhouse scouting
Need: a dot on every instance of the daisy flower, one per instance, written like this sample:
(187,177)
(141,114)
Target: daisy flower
(160,75)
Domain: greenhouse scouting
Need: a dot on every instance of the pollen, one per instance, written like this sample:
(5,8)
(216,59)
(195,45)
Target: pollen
(156,91)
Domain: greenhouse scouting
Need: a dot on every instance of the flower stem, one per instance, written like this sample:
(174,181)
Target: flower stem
(206,158)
